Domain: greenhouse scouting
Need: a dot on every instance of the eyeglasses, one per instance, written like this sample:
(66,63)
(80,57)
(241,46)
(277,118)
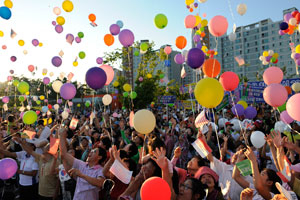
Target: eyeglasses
(93,150)
(186,187)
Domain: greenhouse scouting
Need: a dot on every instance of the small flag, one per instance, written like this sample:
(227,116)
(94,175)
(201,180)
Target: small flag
(70,76)
(239,60)
(285,174)
(93,24)
(61,53)
(13,34)
(53,145)
(190,89)
(201,120)
(183,73)
(73,124)
(201,147)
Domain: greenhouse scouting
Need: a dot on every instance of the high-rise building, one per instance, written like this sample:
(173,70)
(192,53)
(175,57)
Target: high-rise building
(252,40)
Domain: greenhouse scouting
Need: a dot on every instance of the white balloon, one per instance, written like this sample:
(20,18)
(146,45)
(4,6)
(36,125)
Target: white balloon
(35,98)
(293,21)
(265,62)
(28,107)
(296,87)
(65,115)
(280,126)
(51,74)
(202,1)
(222,122)
(241,9)
(56,106)
(106,99)
(258,139)
(262,58)
(5,107)
(271,52)
(56,85)
(232,37)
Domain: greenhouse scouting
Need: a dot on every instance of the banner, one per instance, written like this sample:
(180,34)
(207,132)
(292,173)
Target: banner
(167,99)
(188,105)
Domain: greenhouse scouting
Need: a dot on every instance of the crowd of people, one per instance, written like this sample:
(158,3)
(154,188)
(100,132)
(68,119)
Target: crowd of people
(81,167)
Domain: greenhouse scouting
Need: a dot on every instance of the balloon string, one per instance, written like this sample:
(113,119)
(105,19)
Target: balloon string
(131,78)
(230,9)
(216,131)
(216,40)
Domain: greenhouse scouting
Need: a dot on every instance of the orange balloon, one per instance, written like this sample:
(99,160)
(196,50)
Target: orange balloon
(211,67)
(291,31)
(202,34)
(109,39)
(92,17)
(191,9)
(288,89)
(181,42)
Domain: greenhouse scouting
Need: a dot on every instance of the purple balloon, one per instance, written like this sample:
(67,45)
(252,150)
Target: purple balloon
(250,112)
(35,42)
(54,23)
(285,117)
(13,58)
(68,91)
(179,59)
(268,58)
(59,28)
(196,38)
(199,45)
(11,71)
(283,26)
(56,61)
(99,60)
(116,91)
(287,17)
(78,39)
(298,62)
(297,56)
(237,110)
(8,168)
(95,78)
(46,100)
(195,58)
(59,101)
(126,37)
(196,5)
(280,32)
(5,99)
(46,80)
(114,29)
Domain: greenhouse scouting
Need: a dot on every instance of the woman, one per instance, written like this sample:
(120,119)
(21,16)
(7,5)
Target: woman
(191,189)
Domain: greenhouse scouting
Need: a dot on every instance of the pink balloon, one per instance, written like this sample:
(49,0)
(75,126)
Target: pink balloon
(275,95)
(229,80)
(293,107)
(285,117)
(115,114)
(204,15)
(56,10)
(273,75)
(9,78)
(168,50)
(5,99)
(218,25)
(190,21)
(70,103)
(110,73)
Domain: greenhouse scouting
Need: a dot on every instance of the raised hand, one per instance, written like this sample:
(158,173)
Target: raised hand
(247,194)
(250,154)
(177,152)
(276,138)
(160,158)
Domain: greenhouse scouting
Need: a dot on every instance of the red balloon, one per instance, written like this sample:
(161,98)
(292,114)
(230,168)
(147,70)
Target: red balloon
(229,80)
(298,17)
(49,106)
(31,68)
(294,14)
(37,112)
(155,188)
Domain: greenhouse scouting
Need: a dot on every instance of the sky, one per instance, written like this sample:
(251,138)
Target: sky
(32,19)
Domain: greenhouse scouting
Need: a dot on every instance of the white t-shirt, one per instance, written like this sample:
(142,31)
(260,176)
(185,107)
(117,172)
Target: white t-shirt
(45,133)
(256,196)
(27,163)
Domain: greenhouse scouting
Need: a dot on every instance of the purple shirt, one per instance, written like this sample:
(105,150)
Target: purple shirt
(84,190)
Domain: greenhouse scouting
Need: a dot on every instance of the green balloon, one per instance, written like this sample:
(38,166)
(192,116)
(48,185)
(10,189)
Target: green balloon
(21,98)
(29,117)
(16,83)
(23,87)
(87,103)
(144,46)
(133,95)
(80,34)
(38,102)
(273,60)
(160,21)
(123,107)
(282,108)
(202,29)
(170,104)
(136,53)
(125,94)
(81,55)
(161,76)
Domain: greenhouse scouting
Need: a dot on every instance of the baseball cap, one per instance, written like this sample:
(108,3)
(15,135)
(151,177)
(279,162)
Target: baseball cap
(228,123)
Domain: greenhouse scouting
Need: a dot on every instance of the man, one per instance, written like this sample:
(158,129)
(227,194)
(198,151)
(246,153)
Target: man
(88,175)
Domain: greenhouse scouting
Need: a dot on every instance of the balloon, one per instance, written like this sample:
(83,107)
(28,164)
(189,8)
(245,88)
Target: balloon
(68,91)
(65,115)
(114,29)
(133,95)
(288,89)
(13,58)
(56,61)
(60,20)
(285,117)
(80,34)
(29,117)
(59,101)
(35,42)
(67,5)
(99,60)
(8,3)
(237,110)
(5,12)
(46,80)
(87,104)
(243,103)
(296,87)
(250,112)
(70,38)
(8,168)
(59,28)
(229,80)
(38,102)
(218,26)
(283,26)
(21,42)
(273,75)
(44,109)
(23,87)
(81,55)
(211,67)
(155,188)
(92,17)
(116,84)
(293,107)
(1,34)
(109,39)
(160,21)
(96,78)
(4,47)
(167,50)
(120,23)
(179,59)
(56,85)
(241,9)
(107,99)
(195,58)
(125,94)
(5,99)
(258,139)
(144,121)
(197,38)
(275,95)
(181,42)
(110,73)
(136,53)
(42,97)
(141,79)
(144,46)
(75,63)
(149,76)
(190,21)
(31,68)
(127,87)
(232,37)
(56,10)
(16,83)
(126,38)
(209,92)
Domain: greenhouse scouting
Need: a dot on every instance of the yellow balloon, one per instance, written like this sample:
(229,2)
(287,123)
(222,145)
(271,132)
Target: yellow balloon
(209,92)
(27,93)
(40,44)
(67,6)
(144,121)
(50,121)
(265,53)
(204,49)
(204,23)
(297,49)
(116,84)
(276,55)
(45,122)
(149,76)
(243,103)
(78,105)
(75,63)
(21,42)
(189,2)
(198,19)
(42,97)
(60,20)
(1,34)
(127,87)
(8,3)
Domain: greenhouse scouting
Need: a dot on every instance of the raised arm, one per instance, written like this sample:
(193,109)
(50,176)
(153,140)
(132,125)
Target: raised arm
(236,175)
(27,148)
(63,147)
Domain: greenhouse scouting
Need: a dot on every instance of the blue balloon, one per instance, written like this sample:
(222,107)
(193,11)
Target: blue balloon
(44,109)
(5,12)
(120,23)
(283,26)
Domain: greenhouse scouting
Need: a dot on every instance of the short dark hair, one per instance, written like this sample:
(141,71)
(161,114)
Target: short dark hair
(272,176)
(132,165)
(156,143)
(198,187)
(103,154)
(41,122)
(133,150)
(106,141)
(11,118)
